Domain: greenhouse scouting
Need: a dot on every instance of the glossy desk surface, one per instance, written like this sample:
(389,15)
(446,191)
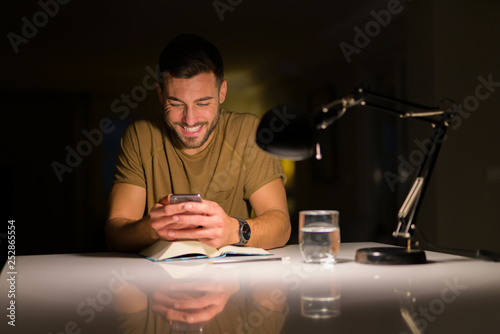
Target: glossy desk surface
(123,293)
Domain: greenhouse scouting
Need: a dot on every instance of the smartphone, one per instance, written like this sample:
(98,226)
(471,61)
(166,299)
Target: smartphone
(180,326)
(181,198)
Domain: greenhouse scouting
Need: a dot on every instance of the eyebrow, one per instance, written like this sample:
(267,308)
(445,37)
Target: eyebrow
(206,98)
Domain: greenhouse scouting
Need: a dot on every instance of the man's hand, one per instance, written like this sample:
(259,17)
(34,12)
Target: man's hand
(127,229)
(205,221)
(193,301)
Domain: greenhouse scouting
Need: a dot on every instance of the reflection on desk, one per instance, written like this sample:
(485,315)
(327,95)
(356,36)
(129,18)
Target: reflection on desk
(202,299)
(123,293)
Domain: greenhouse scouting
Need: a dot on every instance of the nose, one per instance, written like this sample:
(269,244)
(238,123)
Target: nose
(190,116)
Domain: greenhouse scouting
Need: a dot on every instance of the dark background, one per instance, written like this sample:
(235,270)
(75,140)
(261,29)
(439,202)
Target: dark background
(70,69)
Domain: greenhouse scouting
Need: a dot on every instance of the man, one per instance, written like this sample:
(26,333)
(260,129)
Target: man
(195,147)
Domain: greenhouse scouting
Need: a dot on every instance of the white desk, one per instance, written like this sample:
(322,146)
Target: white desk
(81,293)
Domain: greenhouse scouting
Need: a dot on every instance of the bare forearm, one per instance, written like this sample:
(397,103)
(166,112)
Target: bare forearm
(270,230)
(127,235)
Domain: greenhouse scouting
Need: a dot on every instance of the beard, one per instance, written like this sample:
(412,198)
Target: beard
(193,142)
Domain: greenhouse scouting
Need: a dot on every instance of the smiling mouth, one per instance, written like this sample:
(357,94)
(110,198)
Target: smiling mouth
(191,130)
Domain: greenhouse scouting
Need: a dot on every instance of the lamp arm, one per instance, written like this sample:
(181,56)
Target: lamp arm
(424,112)
(422,116)
(368,94)
(438,118)
(410,208)
(332,111)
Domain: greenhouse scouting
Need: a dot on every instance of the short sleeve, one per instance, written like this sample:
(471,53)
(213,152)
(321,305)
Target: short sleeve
(129,167)
(261,167)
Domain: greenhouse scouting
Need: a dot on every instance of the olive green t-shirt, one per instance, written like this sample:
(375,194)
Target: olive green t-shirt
(228,171)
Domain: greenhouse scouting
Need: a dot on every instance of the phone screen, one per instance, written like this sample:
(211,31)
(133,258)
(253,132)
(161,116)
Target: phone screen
(181,198)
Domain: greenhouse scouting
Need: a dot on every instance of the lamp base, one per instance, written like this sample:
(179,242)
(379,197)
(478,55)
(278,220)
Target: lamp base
(390,255)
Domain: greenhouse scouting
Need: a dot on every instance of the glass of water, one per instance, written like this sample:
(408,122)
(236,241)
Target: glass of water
(319,235)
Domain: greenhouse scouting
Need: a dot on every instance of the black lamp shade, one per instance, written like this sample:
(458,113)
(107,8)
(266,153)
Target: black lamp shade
(287,132)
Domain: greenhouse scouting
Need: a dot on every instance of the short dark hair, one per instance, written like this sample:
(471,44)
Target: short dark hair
(188,55)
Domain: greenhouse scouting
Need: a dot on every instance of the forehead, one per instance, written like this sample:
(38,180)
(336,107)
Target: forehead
(203,83)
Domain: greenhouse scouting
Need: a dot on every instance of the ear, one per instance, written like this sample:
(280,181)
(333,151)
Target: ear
(160,92)
(222,91)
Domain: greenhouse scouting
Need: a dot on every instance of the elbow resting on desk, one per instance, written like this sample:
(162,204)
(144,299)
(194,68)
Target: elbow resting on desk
(127,235)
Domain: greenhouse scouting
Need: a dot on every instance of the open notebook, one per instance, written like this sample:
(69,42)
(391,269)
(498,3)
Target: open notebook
(163,250)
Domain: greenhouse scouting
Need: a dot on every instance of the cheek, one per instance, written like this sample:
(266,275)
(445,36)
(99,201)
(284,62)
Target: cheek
(173,115)
(211,113)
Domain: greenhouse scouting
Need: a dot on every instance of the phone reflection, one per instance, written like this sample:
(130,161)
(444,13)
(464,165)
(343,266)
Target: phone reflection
(188,304)
(320,293)
(209,300)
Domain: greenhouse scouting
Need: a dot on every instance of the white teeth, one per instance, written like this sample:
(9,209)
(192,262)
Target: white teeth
(192,129)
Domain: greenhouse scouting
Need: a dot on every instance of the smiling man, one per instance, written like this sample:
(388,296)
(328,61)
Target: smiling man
(194,146)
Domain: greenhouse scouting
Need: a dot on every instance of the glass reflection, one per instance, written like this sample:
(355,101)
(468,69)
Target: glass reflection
(320,293)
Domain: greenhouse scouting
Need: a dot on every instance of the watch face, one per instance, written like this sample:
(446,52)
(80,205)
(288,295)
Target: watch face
(245,231)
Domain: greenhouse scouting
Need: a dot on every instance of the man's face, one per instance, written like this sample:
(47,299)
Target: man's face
(192,109)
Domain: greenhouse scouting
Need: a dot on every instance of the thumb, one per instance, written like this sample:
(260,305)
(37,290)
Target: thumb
(165,200)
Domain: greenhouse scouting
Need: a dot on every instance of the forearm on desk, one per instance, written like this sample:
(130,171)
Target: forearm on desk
(270,230)
(127,235)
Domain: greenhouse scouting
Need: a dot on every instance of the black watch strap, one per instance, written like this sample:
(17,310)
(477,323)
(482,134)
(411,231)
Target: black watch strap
(244,232)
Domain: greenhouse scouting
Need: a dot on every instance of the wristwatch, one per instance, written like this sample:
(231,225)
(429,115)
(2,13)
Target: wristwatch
(244,232)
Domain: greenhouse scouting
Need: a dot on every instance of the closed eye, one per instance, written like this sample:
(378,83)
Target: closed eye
(175,105)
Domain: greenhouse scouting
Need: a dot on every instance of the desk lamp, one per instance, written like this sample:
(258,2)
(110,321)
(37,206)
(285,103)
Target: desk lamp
(289,133)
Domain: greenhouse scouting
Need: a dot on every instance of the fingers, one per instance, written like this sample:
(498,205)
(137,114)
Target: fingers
(174,209)
(205,221)
(168,217)
(160,211)
(190,310)
(203,232)
(189,317)
(186,215)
